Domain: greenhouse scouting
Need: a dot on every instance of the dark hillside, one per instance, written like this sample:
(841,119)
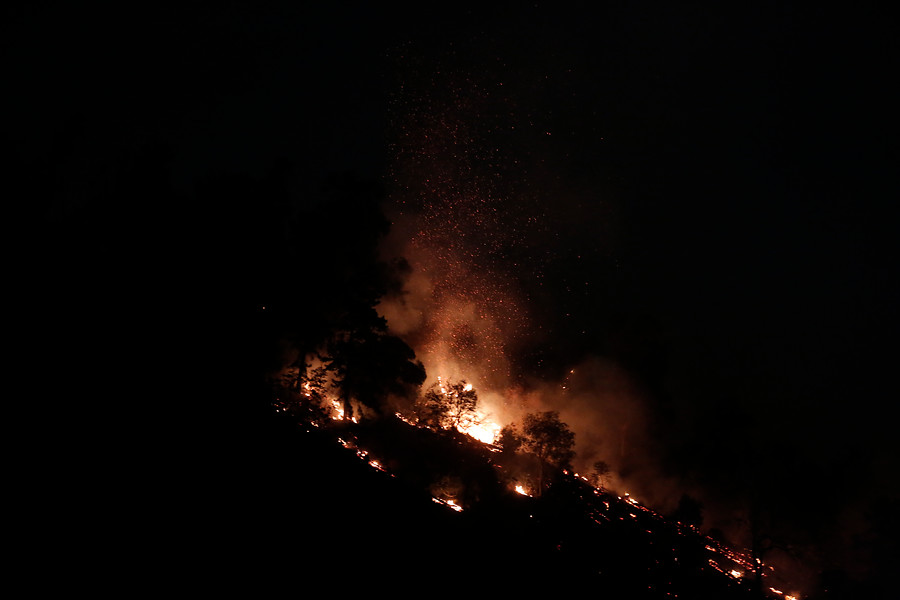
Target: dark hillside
(352,506)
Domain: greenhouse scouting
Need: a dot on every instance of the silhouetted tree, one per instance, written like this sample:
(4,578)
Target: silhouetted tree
(509,440)
(302,390)
(764,537)
(549,440)
(689,511)
(371,365)
(601,472)
(447,405)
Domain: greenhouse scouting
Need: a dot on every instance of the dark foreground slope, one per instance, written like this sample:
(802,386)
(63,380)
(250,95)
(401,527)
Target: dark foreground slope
(298,509)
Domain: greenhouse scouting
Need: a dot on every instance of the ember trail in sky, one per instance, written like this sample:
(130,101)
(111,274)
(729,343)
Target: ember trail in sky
(463,220)
(484,222)
(469,213)
(494,241)
(674,227)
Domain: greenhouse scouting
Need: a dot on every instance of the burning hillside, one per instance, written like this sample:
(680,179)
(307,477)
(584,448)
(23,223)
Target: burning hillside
(586,533)
(458,375)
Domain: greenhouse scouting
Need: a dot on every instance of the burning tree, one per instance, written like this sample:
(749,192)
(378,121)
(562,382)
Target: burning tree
(601,472)
(549,440)
(447,405)
(302,390)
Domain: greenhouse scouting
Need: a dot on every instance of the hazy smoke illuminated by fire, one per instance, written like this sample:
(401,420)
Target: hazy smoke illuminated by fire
(472,229)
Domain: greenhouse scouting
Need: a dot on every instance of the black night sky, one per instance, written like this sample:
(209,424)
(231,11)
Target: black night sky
(704,196)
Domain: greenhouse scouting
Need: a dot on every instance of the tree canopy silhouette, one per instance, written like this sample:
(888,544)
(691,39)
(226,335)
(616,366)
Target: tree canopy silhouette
(372,366)
(601,472)
(448,405)
(322,290)
(548,439)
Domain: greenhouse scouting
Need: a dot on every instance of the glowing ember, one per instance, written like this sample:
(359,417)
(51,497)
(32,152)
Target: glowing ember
(448,503)
(405,419)
(521,490)
(736,574)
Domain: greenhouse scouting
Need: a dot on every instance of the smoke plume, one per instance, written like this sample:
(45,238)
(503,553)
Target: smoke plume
(485,230)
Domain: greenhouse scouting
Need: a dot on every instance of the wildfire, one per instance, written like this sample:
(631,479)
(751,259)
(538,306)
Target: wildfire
(448,503)
(479,426)
(338,410)
(405,419)
(481,429)
(338,414)
(466,418)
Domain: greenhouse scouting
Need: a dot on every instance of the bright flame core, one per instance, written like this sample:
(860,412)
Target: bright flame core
(338,410)
(478,425)
(481,429)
